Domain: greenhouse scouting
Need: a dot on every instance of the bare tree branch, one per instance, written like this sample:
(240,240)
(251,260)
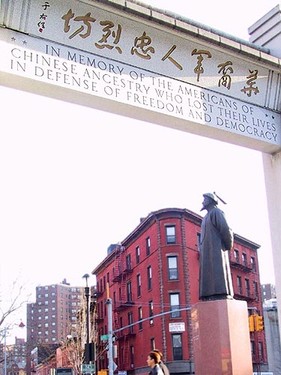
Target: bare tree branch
(8,307)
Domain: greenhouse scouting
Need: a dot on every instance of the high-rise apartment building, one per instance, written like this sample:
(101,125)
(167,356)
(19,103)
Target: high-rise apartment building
(54,314)
(152,278)
(13,357)
(268,292)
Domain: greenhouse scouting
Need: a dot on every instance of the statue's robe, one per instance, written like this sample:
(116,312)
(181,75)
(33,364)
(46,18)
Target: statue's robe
(215,240)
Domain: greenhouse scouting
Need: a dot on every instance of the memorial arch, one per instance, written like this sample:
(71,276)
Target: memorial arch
(133,60)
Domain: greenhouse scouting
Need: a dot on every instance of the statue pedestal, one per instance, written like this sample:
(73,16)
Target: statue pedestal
(221,338)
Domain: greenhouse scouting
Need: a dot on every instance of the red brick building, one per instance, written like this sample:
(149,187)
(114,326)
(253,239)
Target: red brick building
(153,280)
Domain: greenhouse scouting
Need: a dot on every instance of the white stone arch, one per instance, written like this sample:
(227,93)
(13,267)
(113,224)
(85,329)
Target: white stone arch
(57,60)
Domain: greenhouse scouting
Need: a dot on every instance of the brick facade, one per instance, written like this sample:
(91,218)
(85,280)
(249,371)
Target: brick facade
(156,270)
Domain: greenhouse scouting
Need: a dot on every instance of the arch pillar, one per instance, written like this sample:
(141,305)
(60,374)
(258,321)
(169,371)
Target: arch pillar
(272,175)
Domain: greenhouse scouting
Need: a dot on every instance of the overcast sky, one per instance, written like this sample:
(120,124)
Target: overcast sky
(75,180)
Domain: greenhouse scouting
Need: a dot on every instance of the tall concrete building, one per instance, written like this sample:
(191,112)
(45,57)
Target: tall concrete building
(50,319)
(54,314)
(153,278)
(268,292)
(13,357)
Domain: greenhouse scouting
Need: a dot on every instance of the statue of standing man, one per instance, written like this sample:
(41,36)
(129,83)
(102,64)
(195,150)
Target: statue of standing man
(216,240)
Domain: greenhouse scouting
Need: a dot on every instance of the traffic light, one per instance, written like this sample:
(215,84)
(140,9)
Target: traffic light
(259,323)
(251,323)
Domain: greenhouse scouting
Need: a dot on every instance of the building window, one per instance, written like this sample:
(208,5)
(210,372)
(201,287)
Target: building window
(256,291)
(170,234)
(100,310)
(132,356)
(261,353)
(236,255)
(244,259)
(173,268)
(140,317)
(177,347)
(138,285)
(149,278)
(130,322)
(247,286)
(128,262)
(175,304)
(239,285)
(152,343)
(253,349)
(129,292)
(150,312)
(147,241)
(137,254)
(105,308)
(253,264)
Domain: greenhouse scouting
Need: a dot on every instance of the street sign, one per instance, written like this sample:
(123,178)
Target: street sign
(88,368)
(104,337)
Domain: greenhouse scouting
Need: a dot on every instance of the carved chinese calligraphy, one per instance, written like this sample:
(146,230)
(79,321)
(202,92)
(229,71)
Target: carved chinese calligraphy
(251,81)
(87,19)
(142,47)
(103,42)
(199,67)
(226,69)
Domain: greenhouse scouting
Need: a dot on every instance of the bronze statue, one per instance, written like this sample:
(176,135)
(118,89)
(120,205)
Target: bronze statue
(216,240)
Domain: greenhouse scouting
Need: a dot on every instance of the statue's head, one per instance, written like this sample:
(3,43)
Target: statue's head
(209,199)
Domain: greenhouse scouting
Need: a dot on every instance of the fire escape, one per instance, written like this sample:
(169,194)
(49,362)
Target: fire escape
(244,266)
(124,300)
(122,268)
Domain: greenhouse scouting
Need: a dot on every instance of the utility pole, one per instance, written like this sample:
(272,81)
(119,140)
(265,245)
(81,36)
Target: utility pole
(110,333)
(87,346)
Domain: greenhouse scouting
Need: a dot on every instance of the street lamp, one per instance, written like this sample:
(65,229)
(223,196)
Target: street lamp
(87,345)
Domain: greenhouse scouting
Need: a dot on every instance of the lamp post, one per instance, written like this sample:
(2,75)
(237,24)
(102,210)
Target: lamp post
(87,345)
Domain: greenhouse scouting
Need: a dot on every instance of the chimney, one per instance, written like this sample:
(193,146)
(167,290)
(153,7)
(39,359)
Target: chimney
(266,32)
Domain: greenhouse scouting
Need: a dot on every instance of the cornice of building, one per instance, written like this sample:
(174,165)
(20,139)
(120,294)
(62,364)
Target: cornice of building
(245,242)
(162,214)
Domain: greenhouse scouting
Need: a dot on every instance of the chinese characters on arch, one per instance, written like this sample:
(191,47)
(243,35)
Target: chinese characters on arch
(108,35)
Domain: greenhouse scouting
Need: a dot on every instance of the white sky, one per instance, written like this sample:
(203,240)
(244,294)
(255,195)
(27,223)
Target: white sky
(74,180)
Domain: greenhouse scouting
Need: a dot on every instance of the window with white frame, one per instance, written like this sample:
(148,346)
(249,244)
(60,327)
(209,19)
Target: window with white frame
(173,267)
(175,304)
